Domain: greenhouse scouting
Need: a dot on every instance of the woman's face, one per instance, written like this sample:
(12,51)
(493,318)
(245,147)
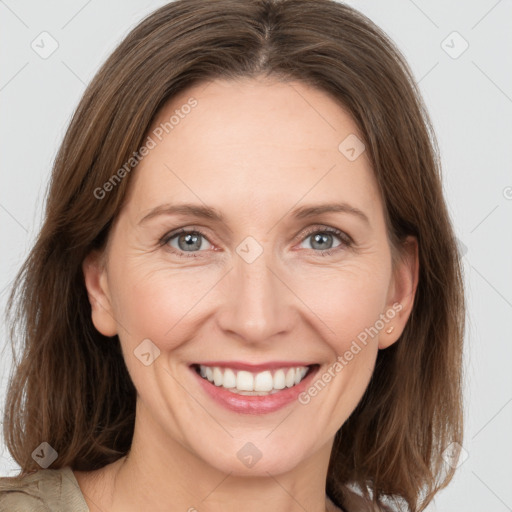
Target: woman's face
(262,283)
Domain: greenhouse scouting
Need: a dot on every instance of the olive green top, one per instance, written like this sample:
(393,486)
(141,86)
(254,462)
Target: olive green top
(57,490)
(46,490)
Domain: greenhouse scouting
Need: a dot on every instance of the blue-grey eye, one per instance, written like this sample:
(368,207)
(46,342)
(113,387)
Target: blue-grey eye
(322,240)
(188,241)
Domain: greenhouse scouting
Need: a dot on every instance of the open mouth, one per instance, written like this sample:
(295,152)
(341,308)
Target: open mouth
(266,382)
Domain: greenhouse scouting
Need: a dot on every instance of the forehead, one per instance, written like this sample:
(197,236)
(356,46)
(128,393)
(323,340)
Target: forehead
(262,140)
(249,114)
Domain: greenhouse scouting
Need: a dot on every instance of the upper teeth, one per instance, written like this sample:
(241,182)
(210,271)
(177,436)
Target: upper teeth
(263,382)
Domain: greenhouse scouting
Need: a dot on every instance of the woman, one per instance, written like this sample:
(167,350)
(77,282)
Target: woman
(246,291)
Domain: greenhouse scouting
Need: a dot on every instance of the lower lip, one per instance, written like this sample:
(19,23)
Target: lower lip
(255,404)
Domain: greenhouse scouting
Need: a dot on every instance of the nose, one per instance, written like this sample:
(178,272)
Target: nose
(258,304)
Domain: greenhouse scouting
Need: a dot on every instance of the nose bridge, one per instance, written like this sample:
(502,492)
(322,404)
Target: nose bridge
(258,304)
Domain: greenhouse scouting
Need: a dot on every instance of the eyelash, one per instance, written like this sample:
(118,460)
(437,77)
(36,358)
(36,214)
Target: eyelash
(346,240)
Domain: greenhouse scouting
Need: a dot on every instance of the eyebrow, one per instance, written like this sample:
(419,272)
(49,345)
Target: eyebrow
(210,213)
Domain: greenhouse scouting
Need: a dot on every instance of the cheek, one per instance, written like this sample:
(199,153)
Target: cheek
(346,300)
(165,304)
(157,303)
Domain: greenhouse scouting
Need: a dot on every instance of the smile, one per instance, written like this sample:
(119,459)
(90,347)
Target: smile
(253,384)
(254,389)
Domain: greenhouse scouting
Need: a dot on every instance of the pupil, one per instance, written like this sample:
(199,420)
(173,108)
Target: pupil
(319,238)
(190,240)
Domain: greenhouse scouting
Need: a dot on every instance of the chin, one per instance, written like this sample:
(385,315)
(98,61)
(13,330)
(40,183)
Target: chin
(252,459)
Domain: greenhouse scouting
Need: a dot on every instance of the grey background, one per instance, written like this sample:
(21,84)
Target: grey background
(470,101)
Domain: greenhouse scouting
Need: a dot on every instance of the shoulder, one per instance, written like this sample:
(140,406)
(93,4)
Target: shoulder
(43,490)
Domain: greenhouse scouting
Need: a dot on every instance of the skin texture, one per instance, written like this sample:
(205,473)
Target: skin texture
(254,150)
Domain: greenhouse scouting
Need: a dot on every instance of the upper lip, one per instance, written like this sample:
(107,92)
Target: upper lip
(250,367)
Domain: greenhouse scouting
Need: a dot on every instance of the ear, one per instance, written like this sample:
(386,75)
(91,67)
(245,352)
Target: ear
(402,291)
(95,276)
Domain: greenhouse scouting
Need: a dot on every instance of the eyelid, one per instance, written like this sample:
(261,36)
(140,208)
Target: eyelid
(321,228)
(346,240)
(165,239)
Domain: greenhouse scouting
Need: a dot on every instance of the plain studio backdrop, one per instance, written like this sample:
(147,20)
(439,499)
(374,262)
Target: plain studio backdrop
(460,55)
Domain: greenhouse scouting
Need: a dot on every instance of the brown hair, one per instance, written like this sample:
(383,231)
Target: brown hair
(70,386)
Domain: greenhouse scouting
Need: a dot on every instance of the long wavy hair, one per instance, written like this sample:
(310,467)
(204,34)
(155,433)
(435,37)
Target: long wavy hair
(70,386)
